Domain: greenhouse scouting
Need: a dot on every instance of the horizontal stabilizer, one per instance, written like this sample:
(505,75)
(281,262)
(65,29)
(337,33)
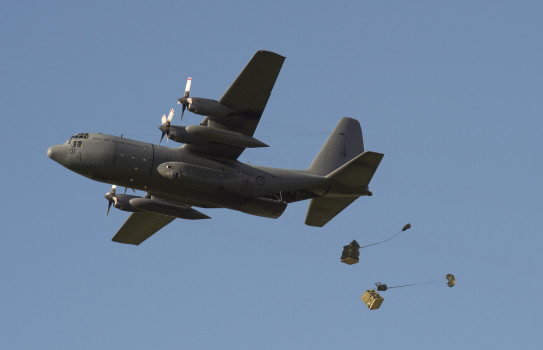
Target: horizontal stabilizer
(357,172)
(348,182)
(322,210)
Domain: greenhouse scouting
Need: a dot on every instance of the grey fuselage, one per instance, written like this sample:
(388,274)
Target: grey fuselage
(181,176)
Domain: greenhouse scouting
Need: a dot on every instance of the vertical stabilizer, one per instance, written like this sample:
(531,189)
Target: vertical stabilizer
(343,161)
(343,144)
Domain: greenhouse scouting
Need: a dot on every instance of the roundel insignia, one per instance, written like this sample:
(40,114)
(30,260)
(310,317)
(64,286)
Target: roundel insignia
(260,180)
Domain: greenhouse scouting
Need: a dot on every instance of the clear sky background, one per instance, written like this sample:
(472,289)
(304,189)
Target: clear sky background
(449,91)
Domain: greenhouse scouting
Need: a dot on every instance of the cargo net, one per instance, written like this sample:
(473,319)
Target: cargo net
(351,253)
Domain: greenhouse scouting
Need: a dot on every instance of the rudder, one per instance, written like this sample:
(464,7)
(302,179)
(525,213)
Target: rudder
(344,143)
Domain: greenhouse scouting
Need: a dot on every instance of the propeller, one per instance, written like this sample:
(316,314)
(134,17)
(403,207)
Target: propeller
(111,197)
(166,125)
(185,99)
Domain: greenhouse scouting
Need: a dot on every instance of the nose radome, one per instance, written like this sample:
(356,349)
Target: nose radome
(56,154)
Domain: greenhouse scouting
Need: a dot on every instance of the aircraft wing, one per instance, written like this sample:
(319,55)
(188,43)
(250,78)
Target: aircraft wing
(139,226)
(248,94)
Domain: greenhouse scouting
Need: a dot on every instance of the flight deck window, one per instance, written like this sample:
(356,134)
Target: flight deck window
(78,136)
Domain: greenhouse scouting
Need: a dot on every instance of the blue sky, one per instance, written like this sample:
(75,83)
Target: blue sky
(450,92)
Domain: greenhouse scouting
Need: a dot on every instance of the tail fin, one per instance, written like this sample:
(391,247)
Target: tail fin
(343,144)
(342,160)
(321,210)
(354,177)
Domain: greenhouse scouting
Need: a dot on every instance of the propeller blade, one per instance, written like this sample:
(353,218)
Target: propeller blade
(185,99)
(187,87)
(166,125)
(183,111)
(170,116)
(111,198)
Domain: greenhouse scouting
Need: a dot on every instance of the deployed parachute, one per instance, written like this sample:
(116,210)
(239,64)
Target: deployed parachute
(381,286)
(450,280)
(351,252)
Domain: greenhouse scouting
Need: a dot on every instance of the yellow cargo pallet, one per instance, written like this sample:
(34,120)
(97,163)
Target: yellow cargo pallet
(372,299)
(349,261)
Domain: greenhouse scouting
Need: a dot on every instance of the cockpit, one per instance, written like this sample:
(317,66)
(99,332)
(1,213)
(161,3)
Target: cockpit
(76,139)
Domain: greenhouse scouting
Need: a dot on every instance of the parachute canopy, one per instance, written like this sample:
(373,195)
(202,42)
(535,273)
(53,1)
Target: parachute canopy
(450,280)
(381,286)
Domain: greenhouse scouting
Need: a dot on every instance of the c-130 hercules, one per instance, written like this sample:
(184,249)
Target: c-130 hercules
(205,172)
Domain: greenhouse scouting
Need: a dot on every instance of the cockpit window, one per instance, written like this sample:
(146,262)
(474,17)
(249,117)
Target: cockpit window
(77,136)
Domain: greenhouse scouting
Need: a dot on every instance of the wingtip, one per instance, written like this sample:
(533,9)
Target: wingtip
(270,53)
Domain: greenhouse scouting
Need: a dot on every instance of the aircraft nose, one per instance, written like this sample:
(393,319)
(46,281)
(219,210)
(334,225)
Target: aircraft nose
(50,152)
(56,154)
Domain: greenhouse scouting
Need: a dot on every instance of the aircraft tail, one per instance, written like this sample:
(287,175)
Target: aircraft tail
(344,143)
(342,160)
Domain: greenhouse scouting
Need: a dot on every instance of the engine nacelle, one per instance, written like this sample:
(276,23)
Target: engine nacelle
(179,133)
(224,136)
(199,134)
(207,107)
(122,202)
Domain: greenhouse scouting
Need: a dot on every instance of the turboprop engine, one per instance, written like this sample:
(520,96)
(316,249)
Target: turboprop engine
(201,134)
(121,202)
(207,107)
(203,106)
(179,134)
(151,204)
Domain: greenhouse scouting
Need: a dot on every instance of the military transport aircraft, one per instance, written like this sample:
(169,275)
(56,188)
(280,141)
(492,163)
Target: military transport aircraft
(205,172)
